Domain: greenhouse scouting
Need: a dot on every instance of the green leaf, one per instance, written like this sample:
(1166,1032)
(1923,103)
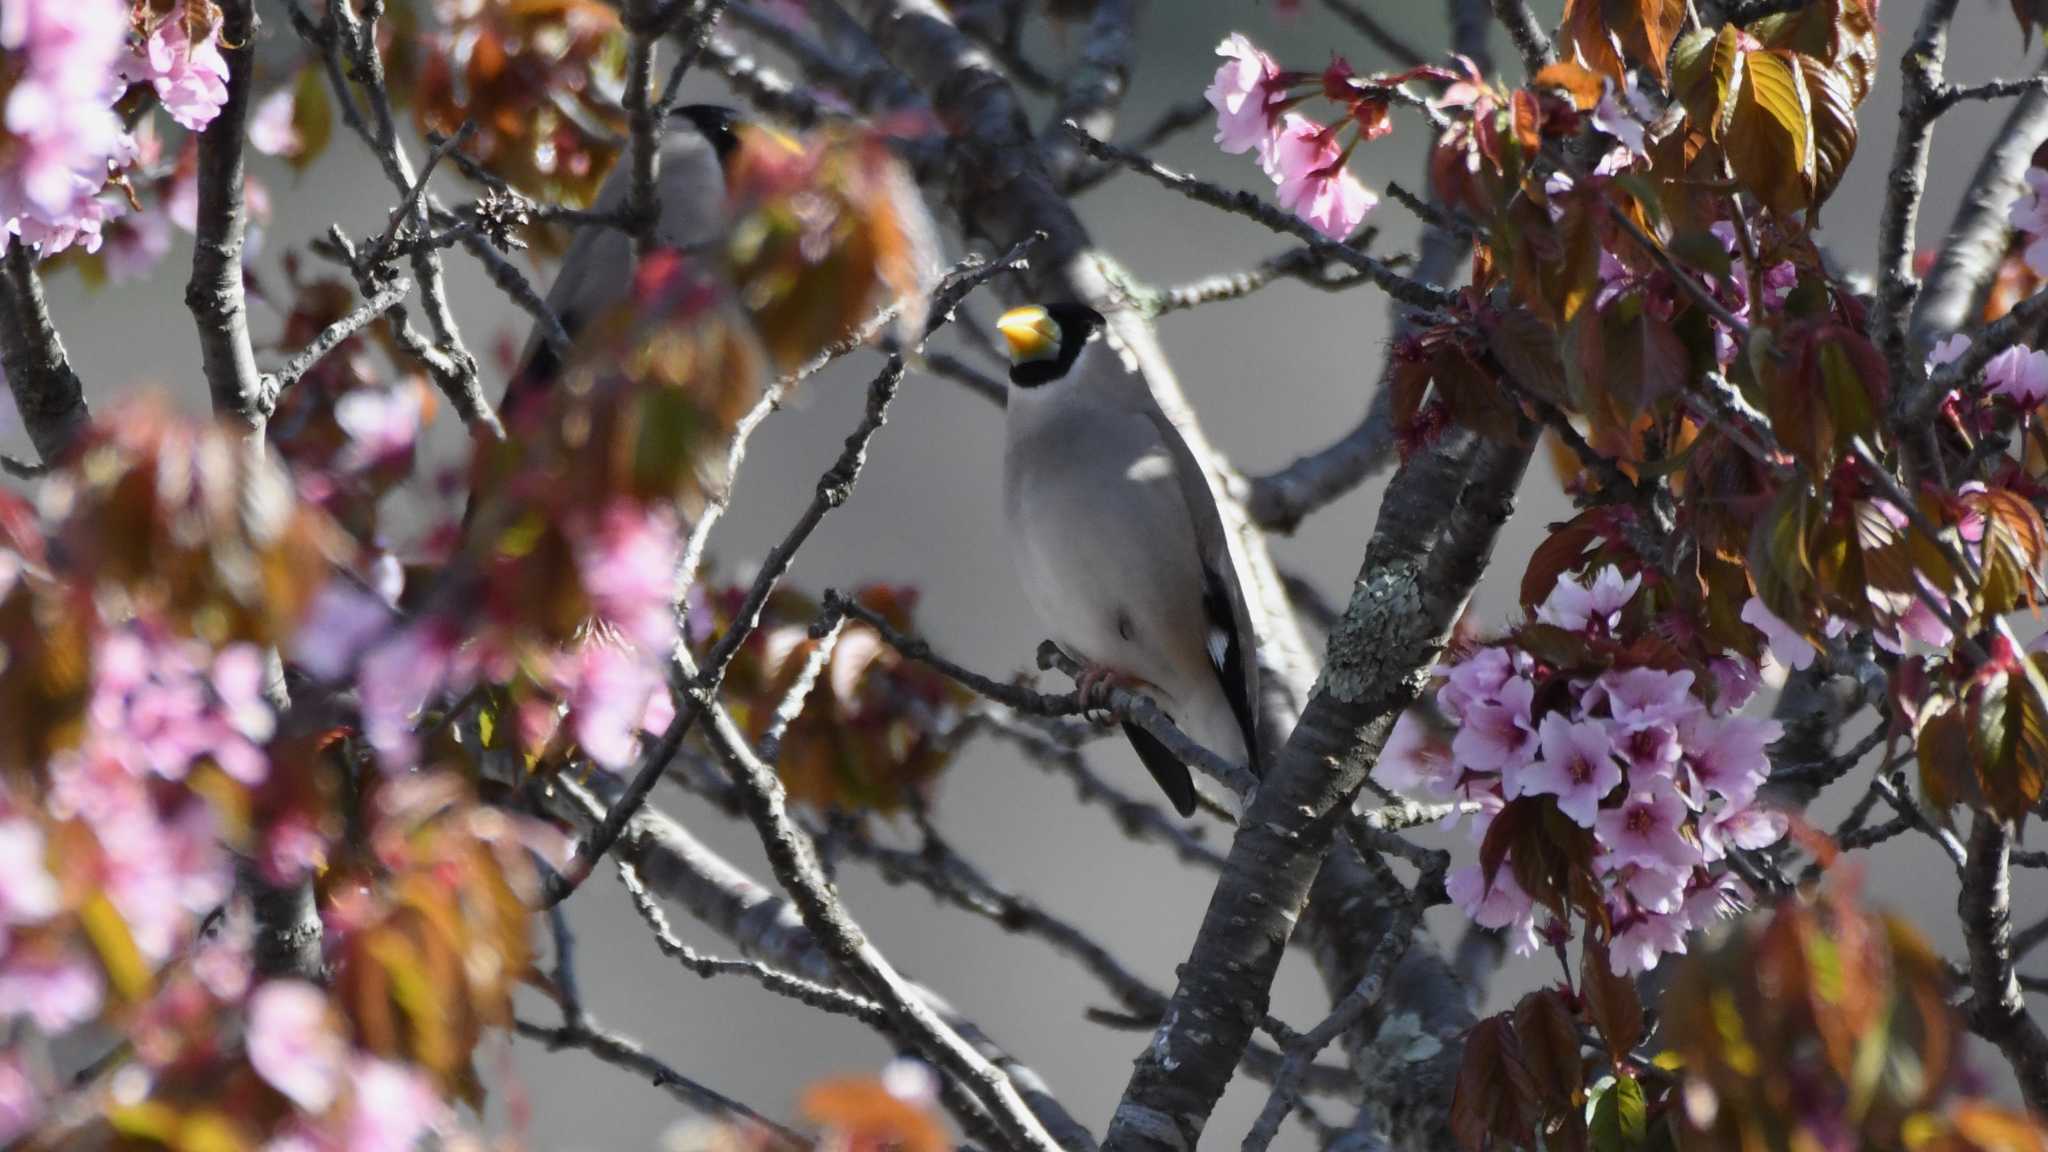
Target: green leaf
(2008,714)
(1779,557)
(1620,1117)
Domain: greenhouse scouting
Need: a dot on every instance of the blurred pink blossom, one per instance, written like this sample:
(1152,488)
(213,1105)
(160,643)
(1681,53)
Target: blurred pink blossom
(292,1045)
(62,131)
(190,78)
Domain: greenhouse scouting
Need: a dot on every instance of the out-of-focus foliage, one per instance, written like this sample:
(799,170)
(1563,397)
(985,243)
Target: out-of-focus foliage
(873,733)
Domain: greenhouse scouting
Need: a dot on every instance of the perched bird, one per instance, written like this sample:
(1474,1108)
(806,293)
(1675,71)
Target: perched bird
(597,271)
(1118,540)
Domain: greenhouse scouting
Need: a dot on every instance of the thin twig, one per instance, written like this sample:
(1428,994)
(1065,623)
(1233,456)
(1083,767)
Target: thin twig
(332,336)
(1252,207)
(622,1052)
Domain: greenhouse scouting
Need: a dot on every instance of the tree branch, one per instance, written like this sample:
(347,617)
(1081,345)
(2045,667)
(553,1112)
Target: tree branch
(46,391)
(622,1052)
(1898,225)
(1093,87)
(333,336)
(678,867)
(1253,207)
(214,292)
(1998,1011)
(1975,244)
(1426,555)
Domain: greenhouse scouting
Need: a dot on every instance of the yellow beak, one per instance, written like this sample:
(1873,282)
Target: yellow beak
(1032,334)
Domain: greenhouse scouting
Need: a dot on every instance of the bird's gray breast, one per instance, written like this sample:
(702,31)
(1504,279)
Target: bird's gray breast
(1103,540)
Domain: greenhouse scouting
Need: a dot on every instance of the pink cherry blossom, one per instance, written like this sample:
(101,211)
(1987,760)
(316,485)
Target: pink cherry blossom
(341,624)
(607,687)
(1641,939)
(1741,826)
(1243,87)
(1478,677)
(1414,762)
(1654,889)
(628,566)
(21,1101)
(1308,165)
(1735,681)
(398,677)
(1647,829)
(28,893)
(271,128)
(2029,214)
(391,1107)
(1577,767)
(1947,350)
(1642,697)
(158,705)
(61,129)
(1918,622)
(2019,374)
(1721,897)
(292,1045)
(1503,905)
(1649,750)
(191,79)
(1790,649)
(1727,756)
(1622,114)
(1575,607)
(134,244)
(382,424)
(56,994)
(1498,736)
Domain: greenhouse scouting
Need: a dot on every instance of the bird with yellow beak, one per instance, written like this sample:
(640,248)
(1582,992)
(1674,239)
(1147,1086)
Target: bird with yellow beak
(1118,540)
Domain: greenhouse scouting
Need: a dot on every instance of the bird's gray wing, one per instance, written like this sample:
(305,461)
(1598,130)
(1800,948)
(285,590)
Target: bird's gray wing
(1232,642)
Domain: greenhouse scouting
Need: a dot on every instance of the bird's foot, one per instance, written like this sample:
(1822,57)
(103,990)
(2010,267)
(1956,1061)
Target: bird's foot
(1095,682)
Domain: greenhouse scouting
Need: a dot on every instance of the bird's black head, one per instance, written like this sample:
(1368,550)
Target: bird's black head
(1045,339)
(719,124)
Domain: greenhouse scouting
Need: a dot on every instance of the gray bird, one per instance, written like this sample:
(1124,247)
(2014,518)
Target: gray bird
(597,270)
(1118,541)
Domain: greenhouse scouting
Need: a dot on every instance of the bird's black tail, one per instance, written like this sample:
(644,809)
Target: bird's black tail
(1165,767)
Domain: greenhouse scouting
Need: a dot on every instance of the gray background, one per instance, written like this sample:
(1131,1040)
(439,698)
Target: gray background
(1272,377)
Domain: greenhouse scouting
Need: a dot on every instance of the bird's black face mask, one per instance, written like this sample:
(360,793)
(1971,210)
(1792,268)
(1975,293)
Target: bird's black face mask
(718,123)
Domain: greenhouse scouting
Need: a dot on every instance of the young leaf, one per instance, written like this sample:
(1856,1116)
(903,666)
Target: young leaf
(1834,125)
(1494,1104)
(1611,1001)
(1620,1117)
(1769,141)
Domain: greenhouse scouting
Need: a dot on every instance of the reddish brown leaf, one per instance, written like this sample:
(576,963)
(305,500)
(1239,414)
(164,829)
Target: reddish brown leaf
(1582,84)
(1494,1104)
(1834,125)
(1549,1039)
(1561,552)
(1647,29)
(1611,1001)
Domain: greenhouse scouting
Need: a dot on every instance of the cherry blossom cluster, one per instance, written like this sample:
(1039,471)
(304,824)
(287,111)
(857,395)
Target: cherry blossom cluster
(1657,768)
(2029,215)
(2018,373)
(607,687)
(66,63)
(1659,294)
(1256,103)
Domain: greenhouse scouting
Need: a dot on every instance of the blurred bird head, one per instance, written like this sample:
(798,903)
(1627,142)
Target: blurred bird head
(1045,339)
